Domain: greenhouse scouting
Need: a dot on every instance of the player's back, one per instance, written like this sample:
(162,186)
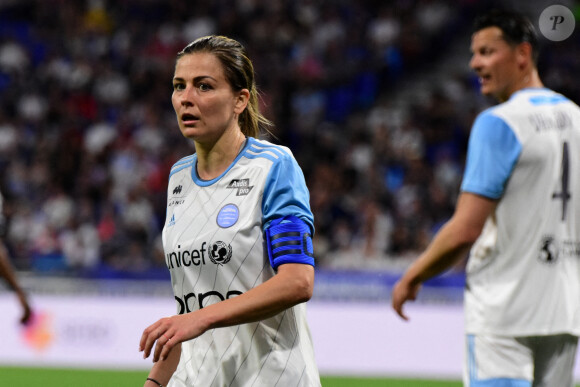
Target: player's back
(524,271)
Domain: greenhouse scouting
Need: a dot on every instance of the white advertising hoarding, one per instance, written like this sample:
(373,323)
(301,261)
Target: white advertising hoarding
(350,338)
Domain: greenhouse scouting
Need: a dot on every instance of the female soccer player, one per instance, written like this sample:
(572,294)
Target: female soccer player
(237,238)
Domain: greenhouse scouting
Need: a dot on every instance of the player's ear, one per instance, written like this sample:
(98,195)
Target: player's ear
(524,54)
(241,101)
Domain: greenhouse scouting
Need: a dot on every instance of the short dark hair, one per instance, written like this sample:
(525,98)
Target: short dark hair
(516,28)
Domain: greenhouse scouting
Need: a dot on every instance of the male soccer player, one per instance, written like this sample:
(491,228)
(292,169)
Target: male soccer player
(519,214)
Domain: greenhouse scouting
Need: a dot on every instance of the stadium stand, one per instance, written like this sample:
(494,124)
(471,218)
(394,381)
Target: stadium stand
(375,100)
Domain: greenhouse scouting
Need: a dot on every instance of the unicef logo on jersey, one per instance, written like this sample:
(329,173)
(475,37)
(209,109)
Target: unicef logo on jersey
(549,250)
(220,253)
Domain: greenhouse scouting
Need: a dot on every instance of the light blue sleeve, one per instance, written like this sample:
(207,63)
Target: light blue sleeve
(286,194)
(492,153)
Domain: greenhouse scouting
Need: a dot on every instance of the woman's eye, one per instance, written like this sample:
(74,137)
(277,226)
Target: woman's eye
(178,86)
(204,87)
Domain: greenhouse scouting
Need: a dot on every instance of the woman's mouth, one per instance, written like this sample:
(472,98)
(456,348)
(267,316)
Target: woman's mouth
(189,119)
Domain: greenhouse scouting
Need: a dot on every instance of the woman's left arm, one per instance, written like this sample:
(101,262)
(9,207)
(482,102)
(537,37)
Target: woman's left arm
(293,284)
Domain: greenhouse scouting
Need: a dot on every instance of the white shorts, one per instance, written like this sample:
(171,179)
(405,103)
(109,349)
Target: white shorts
(538,361)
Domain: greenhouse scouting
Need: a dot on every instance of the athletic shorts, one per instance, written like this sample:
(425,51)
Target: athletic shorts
(535,361)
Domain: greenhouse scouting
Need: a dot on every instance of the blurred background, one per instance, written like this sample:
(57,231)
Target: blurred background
(374,98)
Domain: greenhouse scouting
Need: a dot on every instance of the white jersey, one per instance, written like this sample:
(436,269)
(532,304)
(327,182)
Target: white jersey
(523,273)
(214,247)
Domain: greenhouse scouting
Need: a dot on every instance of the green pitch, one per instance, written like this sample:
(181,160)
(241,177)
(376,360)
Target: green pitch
(52,377)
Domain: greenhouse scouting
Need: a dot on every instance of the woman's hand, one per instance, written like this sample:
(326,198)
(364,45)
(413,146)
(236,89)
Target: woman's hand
(167,332)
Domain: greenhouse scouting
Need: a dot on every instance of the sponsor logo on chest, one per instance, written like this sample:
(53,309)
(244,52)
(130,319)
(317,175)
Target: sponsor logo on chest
(242,186)
(217,253)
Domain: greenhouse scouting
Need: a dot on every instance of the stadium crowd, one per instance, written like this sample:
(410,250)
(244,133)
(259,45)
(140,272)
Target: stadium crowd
(88,134)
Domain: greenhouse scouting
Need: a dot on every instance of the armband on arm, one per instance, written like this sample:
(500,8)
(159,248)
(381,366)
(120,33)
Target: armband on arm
(288,240)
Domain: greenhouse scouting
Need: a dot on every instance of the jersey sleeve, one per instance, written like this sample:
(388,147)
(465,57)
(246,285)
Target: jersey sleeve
(492,153)
(286,194)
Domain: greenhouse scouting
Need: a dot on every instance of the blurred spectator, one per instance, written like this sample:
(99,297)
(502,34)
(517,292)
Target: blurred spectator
(13,57)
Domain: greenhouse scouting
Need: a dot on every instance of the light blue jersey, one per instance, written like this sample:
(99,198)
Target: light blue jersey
(215,249)
(523,273)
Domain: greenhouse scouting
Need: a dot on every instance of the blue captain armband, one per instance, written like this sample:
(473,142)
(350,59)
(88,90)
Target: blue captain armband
(288,240)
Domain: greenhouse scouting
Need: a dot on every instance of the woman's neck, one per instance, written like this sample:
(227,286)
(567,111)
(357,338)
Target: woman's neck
(214,159)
